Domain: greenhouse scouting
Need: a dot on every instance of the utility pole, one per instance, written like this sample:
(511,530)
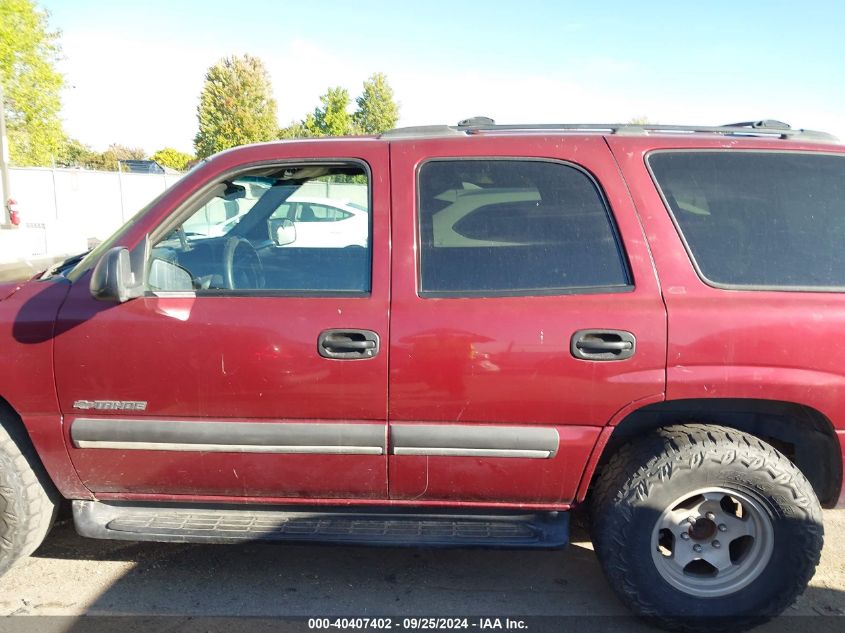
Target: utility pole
(4,160)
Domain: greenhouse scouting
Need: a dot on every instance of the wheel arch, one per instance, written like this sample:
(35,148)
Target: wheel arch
(802,433)
(40,439)
(13,423)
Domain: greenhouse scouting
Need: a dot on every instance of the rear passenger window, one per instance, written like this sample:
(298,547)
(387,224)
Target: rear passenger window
(758,219)
(514,227)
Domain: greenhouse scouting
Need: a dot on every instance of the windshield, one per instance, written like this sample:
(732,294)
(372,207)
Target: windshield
(221,215)
(84,261)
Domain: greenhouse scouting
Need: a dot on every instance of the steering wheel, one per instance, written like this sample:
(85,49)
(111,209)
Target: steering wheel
(242,267)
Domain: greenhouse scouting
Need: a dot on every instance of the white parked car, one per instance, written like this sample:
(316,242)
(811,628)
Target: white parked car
(325,222)
(317,222)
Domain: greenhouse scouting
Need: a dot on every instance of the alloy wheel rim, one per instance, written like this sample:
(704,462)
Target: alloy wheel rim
(712,542)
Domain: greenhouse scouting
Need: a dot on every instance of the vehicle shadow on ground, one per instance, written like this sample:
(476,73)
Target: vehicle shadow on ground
(272,581)
(286,579)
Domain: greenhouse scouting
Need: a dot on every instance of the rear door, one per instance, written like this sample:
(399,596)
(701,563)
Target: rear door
(256,390)
(525,315)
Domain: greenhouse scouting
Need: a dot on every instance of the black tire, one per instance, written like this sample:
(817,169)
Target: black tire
(28,500)
(635,494)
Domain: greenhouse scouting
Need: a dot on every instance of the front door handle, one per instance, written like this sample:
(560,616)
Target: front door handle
(603,344)
(348,344)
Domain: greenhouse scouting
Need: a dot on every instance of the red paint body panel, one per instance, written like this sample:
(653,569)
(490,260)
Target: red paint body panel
(45,431)
(27,320)
(247,358)
(507,359)
(8,289)
(217,357)
(737,343)
(592,462)
(231,475)
(302,501)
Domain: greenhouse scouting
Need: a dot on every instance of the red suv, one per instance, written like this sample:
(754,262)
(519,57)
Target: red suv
(634,319)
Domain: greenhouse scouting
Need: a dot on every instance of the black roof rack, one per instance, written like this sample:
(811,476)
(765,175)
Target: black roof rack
(484,125)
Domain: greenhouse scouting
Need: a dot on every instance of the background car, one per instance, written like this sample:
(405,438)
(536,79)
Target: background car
(318,222)
(325,222)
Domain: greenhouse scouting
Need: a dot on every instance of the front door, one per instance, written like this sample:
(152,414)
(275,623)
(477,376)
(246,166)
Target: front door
(254,365)
(525,315)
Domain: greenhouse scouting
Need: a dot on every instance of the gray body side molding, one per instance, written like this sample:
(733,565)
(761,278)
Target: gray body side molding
(229,437)
(465,440)
(456,440)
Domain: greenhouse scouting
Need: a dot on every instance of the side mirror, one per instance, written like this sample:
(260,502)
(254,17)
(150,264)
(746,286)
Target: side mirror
(165,275)
(113,279)
(282,231)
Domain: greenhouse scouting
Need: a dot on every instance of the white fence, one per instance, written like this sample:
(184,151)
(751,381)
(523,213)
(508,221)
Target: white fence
(64,210)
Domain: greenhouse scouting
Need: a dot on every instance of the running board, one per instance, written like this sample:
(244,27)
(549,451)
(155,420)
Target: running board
(395,527)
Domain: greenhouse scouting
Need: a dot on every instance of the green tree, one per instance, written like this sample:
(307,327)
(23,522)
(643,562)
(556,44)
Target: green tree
(640,120)
(332,118)
(236,106)
(109,160)
(296,129)
(172,158)
(32,85)
(74,153)
(377,111)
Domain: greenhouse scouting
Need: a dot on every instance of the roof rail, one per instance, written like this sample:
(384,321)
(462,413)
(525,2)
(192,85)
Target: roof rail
(422,131)
(762,124)
(483,125)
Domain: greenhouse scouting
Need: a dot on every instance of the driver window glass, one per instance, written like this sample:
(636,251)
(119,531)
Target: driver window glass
(303,229)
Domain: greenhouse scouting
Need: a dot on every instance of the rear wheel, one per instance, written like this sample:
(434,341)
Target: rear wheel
(704,527)
(28,500)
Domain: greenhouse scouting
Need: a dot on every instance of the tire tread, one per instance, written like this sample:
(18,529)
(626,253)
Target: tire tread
(28,501)
(661,455)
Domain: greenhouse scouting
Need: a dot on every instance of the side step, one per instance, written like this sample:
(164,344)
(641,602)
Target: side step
(388,526)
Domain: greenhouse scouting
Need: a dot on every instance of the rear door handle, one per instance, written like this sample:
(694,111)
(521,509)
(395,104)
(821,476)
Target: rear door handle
(348,344)
(603,344)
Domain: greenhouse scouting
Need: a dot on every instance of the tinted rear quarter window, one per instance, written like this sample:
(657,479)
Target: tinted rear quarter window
(514,227)
(758,219)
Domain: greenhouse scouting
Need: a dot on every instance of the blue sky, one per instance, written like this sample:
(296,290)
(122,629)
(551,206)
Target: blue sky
(135,67)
